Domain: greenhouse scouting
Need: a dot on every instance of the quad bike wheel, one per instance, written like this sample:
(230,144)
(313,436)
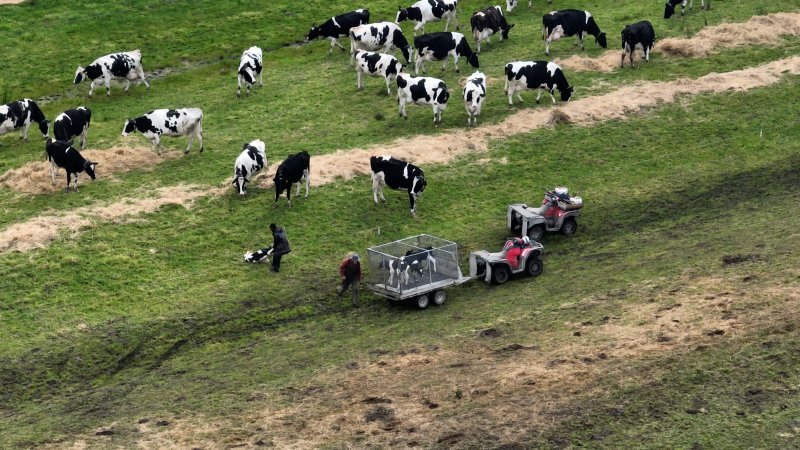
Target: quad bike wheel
(500,273)
(569,226)
(534,267)
(536,232)
(439,297)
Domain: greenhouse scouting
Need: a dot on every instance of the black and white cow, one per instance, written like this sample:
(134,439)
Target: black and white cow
(258,256)
(338,26)
(571,22)
(425,11)
(396,174)
(511,4)
(422,91)
(376,65)
(474,93)
(487,22)
(250,67)
(291,171)
(437,46)
(19,115)
(409,265)
(382,36)
(521,75)
(62,154)
(669,7)
(168,122)
(640,34)
(72,123)
(127,65)
(252,159)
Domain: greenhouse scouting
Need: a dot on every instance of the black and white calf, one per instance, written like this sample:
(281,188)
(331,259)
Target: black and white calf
(127,65)
(425,11)
(488,22)
(62,154)
(258,256)
(396,174)
(292,170)
(669,7)
(422,91)
(338,26)
(570,22)
(19,115)
(521,75)
(250,67)
(411,264)
(438,46)
(381,36)
(474,93)
(168,122)
(72,123)
(252,159)
(641,35)
(511,4)
(376,65)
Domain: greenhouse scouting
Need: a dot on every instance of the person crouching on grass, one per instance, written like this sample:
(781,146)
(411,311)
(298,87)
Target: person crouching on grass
(350,271)
(280,246)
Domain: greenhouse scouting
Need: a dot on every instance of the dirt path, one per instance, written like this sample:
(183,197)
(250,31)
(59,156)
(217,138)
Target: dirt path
(759,30)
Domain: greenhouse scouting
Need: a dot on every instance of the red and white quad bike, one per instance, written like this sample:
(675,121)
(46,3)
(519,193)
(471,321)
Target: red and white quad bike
(558,212)
(498,267)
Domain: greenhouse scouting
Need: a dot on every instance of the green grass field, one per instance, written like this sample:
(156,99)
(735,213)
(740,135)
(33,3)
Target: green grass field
(687,204)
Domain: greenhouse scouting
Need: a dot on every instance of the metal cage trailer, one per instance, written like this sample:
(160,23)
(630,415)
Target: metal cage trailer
(416,270)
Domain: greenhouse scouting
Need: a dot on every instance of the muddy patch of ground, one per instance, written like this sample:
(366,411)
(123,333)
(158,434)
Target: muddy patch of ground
(35,177)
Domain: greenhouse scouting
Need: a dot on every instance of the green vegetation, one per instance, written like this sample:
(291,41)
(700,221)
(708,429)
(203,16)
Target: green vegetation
(158,318)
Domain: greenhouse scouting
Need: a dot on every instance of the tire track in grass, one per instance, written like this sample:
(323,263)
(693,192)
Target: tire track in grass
(758,30)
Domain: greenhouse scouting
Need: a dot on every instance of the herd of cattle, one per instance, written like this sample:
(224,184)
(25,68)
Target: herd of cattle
(370,47)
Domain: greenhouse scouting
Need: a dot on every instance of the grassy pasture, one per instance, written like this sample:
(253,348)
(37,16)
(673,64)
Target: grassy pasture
(158,318)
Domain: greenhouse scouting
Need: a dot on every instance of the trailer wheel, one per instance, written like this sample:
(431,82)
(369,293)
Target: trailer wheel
(534,267)
(422,301)
(500,273)
(439,297)
(569,226)
(536,232)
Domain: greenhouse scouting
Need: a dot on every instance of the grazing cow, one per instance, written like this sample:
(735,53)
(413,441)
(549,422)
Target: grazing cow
(437,46)
(571,22)
(669,7)
(396,174)
(425,11)
(291,171)
(19,115)
(127,65)
(639,34)
(258,256)
(72,123)
(338,26)
(250,67)
(168,122)
(252,159)
(521,75)
(511,4)
(376,65)
(62,154)
(383,36)
(487,22)
(474,93)
(422,91)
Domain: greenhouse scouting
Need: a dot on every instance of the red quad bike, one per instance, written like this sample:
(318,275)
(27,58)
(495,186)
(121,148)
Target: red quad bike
(558,212)
(498,267)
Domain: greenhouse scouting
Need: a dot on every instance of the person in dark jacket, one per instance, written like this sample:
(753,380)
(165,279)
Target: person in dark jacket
(350,271)
(280,246)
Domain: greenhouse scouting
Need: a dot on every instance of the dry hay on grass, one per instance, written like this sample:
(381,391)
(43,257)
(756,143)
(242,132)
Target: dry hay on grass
(11,2)
(40,231)
(446,147)
(409,398)
(34,178)
(760,30)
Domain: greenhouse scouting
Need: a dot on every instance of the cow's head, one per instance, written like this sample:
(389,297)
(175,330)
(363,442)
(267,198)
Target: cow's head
(669,10)
(80,74)
(89,167)
(473,60)
(625,35)
(510,5)
(239,185)
(313,33)
(601,39)
(44,127)
(406,53)
(504,33)
(130,127)
(402,14)
(566,94)
(418,186)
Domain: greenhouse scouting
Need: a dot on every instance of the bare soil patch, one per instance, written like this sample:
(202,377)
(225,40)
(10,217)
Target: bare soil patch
(758,30)
(34,178)
(40,231)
